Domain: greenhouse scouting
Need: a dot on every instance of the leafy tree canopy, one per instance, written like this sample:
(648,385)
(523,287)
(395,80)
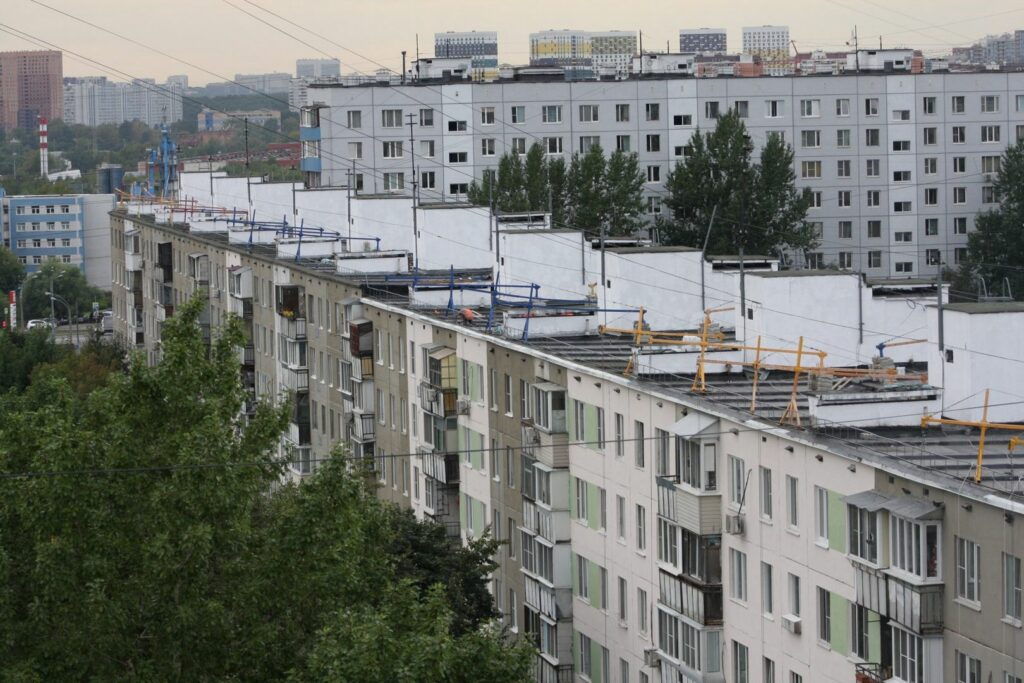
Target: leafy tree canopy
(995,250)
(754,204)
(11,271)
(153,541)
(69,283)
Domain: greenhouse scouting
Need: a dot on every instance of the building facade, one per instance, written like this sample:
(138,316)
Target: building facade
(72,229)
(312,69)
(652,533)
(94,101)
(702,41)
(899,164)
(30,88)
(771,44)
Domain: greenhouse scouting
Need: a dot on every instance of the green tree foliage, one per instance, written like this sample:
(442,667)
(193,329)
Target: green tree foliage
(86,370)
(154,542)
(758,204)
(21,352)
(588,192)
(263,168)
(69,283)
(11,271)
(995,250)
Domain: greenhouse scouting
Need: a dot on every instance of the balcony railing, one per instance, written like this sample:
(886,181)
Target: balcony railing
(364,427)
(296,379)
(546,672)
(248,355)
(872,672)
(295,328)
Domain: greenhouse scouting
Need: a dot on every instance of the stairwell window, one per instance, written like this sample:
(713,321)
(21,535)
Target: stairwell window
(737,471)
(968,571)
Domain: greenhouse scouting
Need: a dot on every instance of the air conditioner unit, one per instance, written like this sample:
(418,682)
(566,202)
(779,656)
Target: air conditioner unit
(651,658)
(734,524)
(791,623)
(462,407)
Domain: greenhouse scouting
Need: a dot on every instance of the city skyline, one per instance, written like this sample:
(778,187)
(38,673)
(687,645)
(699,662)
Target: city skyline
(374,36)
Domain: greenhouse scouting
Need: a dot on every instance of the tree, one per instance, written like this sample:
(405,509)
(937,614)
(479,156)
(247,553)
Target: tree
(996,248)
(624,194)
(21,352)
(756,205)
(155,541)
(11,271)
(69,283)
(586,190)
(536,179)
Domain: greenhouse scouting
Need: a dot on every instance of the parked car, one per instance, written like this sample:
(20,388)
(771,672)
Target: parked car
(107,323)
(33,324)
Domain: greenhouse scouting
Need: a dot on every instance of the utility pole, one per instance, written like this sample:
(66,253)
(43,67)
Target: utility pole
(942,332)
(412,159)
(703,257)
(604,277)
(248,189)
(348,200)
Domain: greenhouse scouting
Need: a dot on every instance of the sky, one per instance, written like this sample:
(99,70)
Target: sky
(221,38)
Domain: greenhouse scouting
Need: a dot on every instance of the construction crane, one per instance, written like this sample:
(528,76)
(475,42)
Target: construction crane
(983,425)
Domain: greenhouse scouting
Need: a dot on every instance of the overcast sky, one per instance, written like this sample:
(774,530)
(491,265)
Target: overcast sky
(217,36)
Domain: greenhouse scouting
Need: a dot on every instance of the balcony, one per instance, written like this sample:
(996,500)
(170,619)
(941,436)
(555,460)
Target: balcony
(438,401)
(442,467)
(546,672)
(701,514)
(136,298)
(539,520)
(552,449)
(294,328)
(165,262)
(132,261)
(295,379)
(362,369)
(247,355)
(701,603)
(364,427)
(240,282)
(872,672)
(915,606)
(199,269)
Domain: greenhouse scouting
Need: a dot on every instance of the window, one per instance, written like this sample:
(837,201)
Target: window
(581,500)
(553,145)
(914,547)
(872,137)
(652,111)
(903,236)
(620,518)
(845,230)
(738,574)
(792,502)
(794,594)
(959,256)
(653,143)
(901,145)
(518,114)
(810,169)
(600,428)
(1013,593)
(355,150)
(641,528)
(456,126)
(901,176)
(928,105)
(458,157)
(902,207)
(844,198)
(959,164)
(458,188)
(588,141)
(900,114)
(931,226)
(585,661)
(990,133)
(931,166)
(654,174)
(394,181)
(768,667)
(641,610)
(623,600)
(765,492)
(861,631)
(824,615)
(519,145)
(871,106)
(1020,102)
(355,119)
(393,149)
(863,533)
(874,259)
(989,104)
(873,168)
(551,113)
(487,147)
(968,669)
(930,136)
(428,180)
(959,135)
(959,195)
(620,435)
(487,116)
(622,143)
(391,118)
(588,113)
(711,110)
(843,137)
(907,662)
(742,108)
(843,107)
(426,118)
(843,168)
(810,138)
(737,483)
(990,164)
(904,266)
(767,596)
(622,113)
(740,663)
(968,560)
(960,225)
(810,108)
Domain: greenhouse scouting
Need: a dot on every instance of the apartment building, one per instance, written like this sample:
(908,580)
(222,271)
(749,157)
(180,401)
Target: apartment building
(72,229)
(478,50)
(653,532)
(312,69)
(30,87)
(702,41)
(899,164)
(771,44)
(93,101)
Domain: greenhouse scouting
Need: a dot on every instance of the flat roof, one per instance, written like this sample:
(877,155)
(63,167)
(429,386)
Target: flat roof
(981,307)
(649,250)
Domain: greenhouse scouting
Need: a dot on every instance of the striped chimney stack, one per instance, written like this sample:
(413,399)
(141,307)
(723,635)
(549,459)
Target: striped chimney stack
(44,156)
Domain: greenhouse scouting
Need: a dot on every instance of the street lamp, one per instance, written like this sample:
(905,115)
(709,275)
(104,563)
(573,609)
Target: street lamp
(68,306)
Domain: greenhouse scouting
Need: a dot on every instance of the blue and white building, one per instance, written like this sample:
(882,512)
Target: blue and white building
(72,229)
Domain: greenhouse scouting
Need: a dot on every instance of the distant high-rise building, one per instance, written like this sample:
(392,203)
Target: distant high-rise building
(30,87)
(613,49)
(93,101)
(263,83)
(180,80)
(479,47)
(708,41)
(311,69)
(771,44)
(583,51)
